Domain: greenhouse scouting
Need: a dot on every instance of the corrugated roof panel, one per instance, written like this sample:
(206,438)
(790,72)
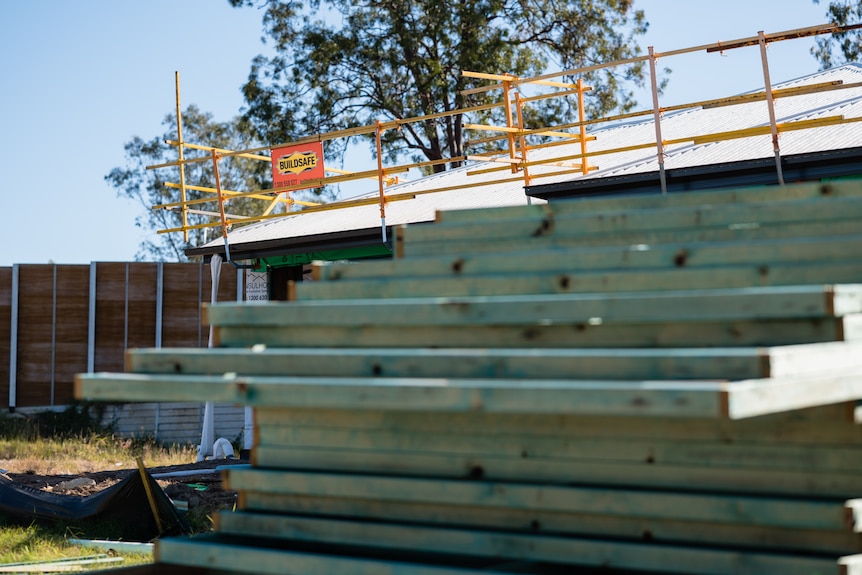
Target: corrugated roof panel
(675,125)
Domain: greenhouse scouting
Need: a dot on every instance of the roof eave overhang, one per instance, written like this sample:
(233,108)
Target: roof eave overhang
(300,245)
(810,166)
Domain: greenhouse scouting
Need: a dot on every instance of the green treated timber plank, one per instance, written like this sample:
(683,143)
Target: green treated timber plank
(565,260)
(530,335)
(739,363)
(688,363)
(502,442)
(686,398)
(808,301)
(829,424)
(747,398)
(520,547)
(738,233)
(665,218)
(558,523)
(780,512)
(759,397)
(574,281)
(238,557)
(743,195)
(536,469)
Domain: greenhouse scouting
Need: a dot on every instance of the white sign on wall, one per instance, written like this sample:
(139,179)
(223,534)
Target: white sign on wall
(256,286)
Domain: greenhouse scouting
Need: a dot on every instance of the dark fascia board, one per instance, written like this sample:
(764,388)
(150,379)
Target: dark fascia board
(287,246)
(795,168)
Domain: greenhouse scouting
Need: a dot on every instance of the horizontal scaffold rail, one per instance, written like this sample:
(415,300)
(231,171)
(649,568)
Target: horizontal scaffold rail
(518,141)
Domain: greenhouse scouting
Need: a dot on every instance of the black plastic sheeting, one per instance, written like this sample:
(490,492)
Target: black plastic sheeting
(124,507)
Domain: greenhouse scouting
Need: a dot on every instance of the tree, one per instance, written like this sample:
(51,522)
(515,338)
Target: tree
(843,47)
(346,63)
(148,187)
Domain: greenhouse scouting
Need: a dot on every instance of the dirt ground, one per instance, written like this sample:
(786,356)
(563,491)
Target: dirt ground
(199,490)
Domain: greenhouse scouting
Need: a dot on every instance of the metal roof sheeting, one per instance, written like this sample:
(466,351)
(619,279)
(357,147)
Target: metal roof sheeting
(674,125)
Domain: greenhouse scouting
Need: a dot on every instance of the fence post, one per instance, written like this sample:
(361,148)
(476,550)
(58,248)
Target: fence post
(53,333)
(13,341)
(91,322)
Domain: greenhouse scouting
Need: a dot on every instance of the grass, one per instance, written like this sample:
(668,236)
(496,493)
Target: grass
(74,441)
(19,544)
(69,443)
(83,454)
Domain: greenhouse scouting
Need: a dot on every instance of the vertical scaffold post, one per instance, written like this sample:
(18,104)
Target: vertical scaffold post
(185,209)
(582,118)
(224,222)
(510,123)
(522,140)
(380,178)
(659,142)
(770,102)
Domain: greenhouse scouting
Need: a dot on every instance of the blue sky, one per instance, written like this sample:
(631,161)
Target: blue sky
(79,79)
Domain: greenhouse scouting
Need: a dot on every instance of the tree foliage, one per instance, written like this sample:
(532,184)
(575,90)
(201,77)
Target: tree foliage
(344,63)
(148,188)
(837,49)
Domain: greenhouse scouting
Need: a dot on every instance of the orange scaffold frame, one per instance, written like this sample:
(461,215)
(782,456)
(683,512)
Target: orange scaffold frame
(515,134)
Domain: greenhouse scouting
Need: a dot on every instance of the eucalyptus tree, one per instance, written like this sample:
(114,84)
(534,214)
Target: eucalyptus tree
(150,187)
(337,64)
(843,47)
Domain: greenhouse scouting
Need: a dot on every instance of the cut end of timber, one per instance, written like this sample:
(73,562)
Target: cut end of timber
(724,404)
(399,242)
(316,272)
(76,387)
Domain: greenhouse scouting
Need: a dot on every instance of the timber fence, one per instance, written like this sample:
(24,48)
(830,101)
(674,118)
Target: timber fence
(59,320)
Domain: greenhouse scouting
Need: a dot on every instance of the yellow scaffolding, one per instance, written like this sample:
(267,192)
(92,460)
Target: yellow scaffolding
(512,158)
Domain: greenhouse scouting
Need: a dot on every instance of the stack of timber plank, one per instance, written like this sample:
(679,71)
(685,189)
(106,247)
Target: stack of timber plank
(635,384)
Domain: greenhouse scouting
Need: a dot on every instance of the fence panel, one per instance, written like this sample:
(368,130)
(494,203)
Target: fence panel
(63,324)
(5,333)
(70,329)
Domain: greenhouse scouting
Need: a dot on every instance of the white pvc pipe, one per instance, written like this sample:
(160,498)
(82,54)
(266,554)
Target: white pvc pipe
(193,472)
(208,425)
(183,473)
(126,546)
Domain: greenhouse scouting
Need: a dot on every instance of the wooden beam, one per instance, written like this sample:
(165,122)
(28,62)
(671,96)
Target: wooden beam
(643,257)
(753,398)
(647,473)
(686,363)
(751,231)
(673,398)
(538,521)
(742,195)
(808,301)
(573,280)
(518,546)
(530,335)
(502,443)
(791,513)
(826,424)
(238,556)
(686,217)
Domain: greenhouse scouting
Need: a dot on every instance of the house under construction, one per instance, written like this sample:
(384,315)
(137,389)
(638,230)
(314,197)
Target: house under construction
(660,375)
